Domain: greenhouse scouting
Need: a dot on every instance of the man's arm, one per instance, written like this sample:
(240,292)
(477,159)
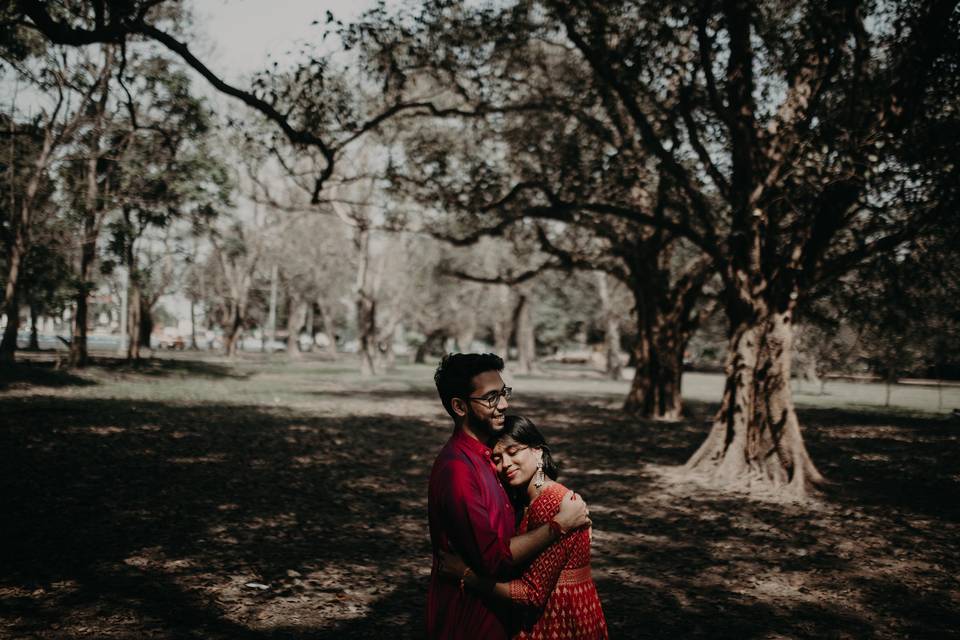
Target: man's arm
(573,514)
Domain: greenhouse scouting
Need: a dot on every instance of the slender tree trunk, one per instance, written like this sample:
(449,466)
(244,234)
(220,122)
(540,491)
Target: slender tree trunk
(367,334)
(503,325)
(296,314)
(92,208)
(890,377)
(309,322)
(434,337)
(34,344)
(330,328)
(526,340)
(755,439)
(21,242)
(466,333)
(366,303)
(134,294)
(193,325)
(611,334)
(144,327)
(79,356)
(272,315)
(233,332)
(11,299)
(9,345)
(389,356)
(134,309)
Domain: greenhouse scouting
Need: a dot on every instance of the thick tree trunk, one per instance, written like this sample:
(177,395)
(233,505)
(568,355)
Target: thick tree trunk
(655,390)
(658,357)
(755,440)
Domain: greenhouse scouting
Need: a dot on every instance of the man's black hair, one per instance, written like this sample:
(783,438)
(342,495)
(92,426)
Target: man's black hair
(457,370)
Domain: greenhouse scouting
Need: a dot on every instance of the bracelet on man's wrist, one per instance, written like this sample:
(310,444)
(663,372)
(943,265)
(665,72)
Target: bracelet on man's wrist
(555,528)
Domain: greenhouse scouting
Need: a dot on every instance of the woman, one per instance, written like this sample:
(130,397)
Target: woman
(556,594)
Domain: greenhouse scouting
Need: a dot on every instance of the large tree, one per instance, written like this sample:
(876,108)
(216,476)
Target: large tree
(783,133)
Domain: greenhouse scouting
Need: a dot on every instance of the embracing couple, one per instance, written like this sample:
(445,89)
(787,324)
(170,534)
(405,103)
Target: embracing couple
(511,546)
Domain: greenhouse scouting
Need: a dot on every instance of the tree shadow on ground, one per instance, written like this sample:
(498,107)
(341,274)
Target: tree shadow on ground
(169,520)
(109,500)
(38,374)
(171,367)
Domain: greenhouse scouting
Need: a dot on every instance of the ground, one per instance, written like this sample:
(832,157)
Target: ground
(261,499)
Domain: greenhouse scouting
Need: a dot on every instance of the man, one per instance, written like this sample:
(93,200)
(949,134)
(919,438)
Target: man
(469,510)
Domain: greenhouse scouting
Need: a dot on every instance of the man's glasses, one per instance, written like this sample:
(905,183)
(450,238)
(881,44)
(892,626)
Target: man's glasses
(492,399)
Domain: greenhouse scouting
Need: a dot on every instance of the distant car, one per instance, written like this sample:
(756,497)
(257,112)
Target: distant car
(171,342)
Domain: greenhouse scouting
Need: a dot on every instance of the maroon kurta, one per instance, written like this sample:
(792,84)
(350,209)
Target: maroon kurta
(470,514)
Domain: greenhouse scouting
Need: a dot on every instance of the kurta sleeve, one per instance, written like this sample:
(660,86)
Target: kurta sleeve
(473,533)
(534,587)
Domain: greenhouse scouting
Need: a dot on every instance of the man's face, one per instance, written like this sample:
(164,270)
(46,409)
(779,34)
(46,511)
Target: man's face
(486,421)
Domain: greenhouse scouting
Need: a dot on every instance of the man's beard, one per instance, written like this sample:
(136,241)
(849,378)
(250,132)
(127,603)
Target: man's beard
(484,428)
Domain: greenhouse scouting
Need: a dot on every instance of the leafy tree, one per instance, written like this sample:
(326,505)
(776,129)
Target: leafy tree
(33,145)
(169,172)
(769,137)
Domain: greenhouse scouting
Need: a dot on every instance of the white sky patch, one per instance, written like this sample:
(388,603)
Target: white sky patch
(245,36)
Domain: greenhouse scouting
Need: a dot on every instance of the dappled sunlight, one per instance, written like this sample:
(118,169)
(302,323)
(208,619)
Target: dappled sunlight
(260,521)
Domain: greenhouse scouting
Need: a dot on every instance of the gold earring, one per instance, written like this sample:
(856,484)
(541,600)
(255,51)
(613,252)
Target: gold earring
(540,479)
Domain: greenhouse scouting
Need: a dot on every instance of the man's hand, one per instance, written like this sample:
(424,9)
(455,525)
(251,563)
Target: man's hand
(451,565)
(573,513)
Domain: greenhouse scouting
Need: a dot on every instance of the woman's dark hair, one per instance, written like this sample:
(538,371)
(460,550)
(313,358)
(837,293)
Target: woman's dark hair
(522,431)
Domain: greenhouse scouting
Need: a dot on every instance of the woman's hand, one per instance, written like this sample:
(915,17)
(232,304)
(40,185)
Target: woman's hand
(573,513)
(451,565)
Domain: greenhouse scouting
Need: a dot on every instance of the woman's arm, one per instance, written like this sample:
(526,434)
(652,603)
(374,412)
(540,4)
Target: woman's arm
(533,588)
(572,514)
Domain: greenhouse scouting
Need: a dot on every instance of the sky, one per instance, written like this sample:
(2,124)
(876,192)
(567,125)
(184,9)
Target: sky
(239,36)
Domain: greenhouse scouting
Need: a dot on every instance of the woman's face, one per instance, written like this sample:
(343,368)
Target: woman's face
(516,463)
